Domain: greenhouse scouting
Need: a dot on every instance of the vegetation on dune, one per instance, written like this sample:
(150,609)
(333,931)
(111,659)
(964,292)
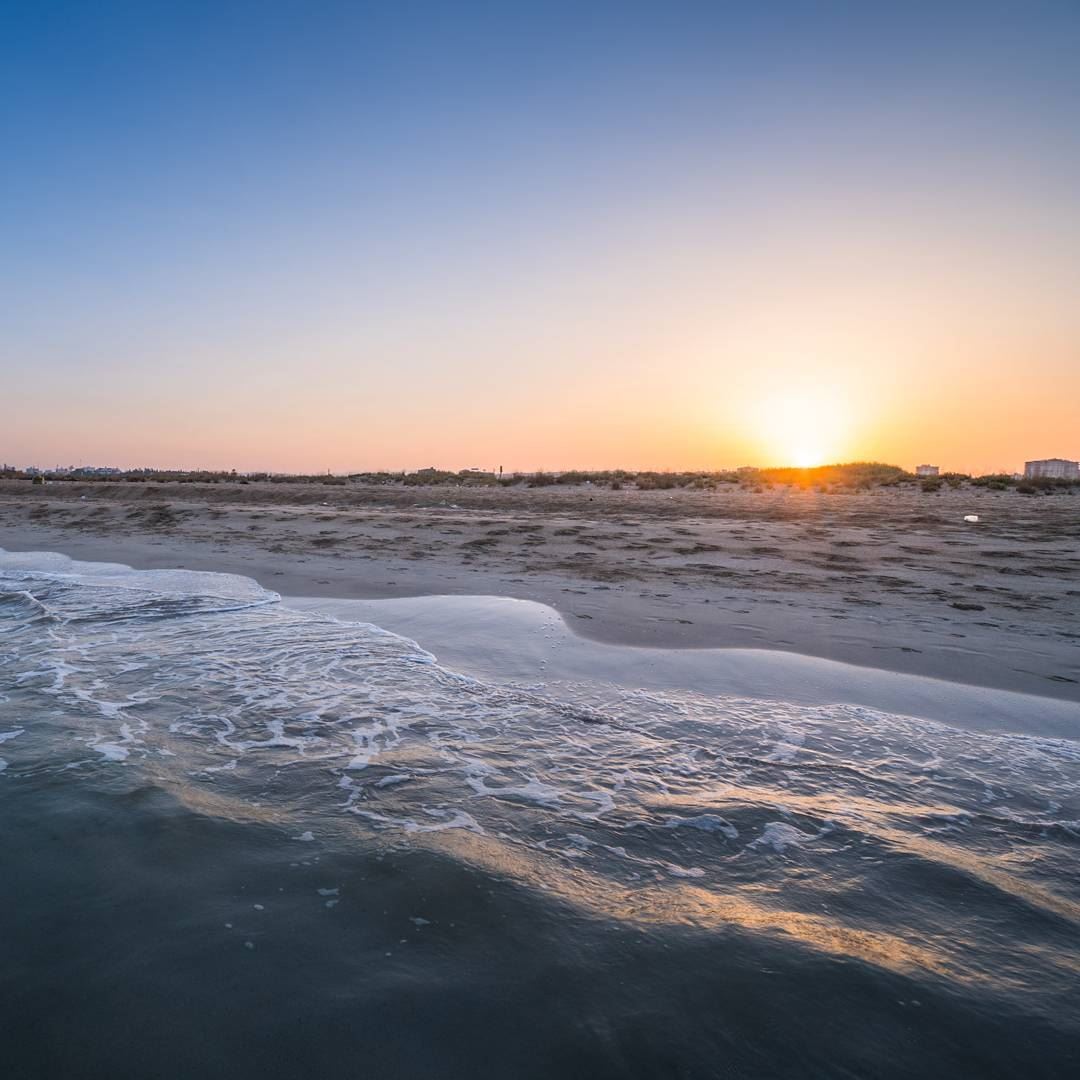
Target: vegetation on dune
(1046,485)
(994,481)
(854,474)
(840,478)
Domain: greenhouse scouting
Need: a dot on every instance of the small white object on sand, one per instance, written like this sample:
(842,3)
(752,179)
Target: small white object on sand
(971,517)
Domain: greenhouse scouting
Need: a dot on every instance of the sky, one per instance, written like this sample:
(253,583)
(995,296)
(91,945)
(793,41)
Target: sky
(672,235)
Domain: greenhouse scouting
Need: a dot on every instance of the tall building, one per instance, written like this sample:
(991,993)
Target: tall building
(1052,469)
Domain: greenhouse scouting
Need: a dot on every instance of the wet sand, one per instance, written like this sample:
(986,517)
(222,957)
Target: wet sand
(889,578)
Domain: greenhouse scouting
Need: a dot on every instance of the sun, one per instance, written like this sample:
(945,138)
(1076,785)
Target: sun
(803,428)
(807,457)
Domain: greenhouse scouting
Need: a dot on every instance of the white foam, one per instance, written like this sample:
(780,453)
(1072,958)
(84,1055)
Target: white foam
(706,823)
(390,781)
(787,746)
(779,835)
(684,871)
(18,565)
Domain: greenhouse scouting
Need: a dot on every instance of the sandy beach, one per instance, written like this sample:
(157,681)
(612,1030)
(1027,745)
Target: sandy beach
(891,578)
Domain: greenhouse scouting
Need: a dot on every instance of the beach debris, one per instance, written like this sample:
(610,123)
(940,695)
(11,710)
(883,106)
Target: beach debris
(971,517)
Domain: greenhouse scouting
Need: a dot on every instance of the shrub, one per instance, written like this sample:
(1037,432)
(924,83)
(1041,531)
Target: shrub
(993,481)
(656,482)
(860,475)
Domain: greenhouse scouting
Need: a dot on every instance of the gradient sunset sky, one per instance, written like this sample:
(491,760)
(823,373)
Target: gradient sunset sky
(309,236)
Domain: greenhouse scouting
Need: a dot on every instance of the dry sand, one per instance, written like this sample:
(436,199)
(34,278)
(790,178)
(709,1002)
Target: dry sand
(890,578)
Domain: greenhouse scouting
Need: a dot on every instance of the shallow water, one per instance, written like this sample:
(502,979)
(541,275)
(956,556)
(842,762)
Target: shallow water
(246,840)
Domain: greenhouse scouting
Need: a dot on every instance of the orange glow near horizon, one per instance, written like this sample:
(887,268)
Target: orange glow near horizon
(802,428)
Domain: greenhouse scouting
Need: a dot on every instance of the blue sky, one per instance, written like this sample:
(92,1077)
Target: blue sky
(344,235)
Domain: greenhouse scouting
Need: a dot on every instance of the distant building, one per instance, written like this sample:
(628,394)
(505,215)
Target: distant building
(94,470)
(927,470)
(1052,469)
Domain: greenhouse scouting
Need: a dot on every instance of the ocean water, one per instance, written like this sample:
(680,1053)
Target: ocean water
(243,840)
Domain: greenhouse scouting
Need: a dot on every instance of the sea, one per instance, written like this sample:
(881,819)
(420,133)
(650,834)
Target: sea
(248,841)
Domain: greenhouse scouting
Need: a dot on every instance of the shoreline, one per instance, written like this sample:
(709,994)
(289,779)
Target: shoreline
(525,644)
(530,646)
(340,552)
(488,635)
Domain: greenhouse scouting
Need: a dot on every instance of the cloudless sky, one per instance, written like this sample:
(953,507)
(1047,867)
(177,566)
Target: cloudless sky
(671,234)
